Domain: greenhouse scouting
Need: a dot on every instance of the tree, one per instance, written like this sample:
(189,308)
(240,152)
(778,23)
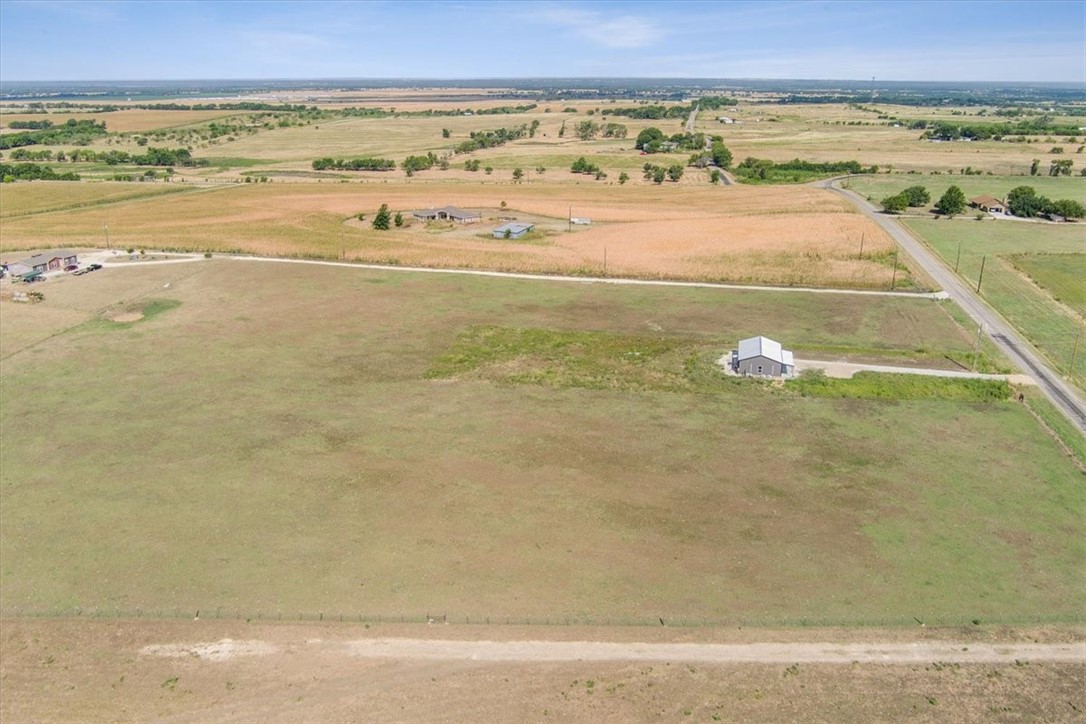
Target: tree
(1067,208)
(587,130)
(489,170)
(1035,167)
(658,174)
(647,137)
(722,157)
(951,203)
(1061,167)
(917,196)
(675,172)
(895,204)
(714,176)
(541,169)
(382,219)
(623,178)
(518,174)
(398,219)
(445,133)
(1024,202)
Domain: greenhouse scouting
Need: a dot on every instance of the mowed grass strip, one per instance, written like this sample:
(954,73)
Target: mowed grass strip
(272,444)
(1061,275)
(1048,325)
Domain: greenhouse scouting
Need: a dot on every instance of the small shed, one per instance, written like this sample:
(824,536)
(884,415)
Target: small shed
(763,357)
(448,213)
(988,203)
(512,230)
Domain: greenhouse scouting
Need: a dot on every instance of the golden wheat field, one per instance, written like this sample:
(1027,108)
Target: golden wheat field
(779,235)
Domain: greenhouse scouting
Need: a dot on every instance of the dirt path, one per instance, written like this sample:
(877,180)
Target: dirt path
(406,649)
(597,280)
(845,370)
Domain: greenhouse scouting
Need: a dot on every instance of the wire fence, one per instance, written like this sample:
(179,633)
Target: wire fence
(443,617)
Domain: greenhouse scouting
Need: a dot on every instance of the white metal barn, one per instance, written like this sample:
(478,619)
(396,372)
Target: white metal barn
(763,357)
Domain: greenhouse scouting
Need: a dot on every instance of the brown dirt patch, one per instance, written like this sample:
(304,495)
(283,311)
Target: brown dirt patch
(126,317)
(66,670)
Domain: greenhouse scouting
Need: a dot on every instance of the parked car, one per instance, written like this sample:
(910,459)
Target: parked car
(71,267)
(94,267)
(33,277)
(80,272)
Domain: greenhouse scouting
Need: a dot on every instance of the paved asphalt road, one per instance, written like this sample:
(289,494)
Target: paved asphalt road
(1010,342)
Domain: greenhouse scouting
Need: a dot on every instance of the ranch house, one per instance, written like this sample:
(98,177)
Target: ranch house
(988,203)
(762,357)
(50,260)
(447,213)
(512,230)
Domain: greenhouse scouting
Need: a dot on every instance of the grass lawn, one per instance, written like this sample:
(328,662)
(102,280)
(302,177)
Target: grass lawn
(1050,326)
(272,437)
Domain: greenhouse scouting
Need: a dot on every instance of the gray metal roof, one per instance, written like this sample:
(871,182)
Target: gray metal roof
(44,256)
(513,227)
(765,347)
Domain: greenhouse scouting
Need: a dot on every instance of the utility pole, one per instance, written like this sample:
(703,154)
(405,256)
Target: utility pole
(605,261)
(980,277)
(106,227)
(958,259)
(342,248)
(862,245)
(893,279)
(570,218)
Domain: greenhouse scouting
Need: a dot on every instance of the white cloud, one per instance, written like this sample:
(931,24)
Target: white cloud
(623,31)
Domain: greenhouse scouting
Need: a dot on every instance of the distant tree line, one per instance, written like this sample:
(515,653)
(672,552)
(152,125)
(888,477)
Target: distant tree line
(979,131)
(33,172)
(365,163)
(31,125)
(489,139)
(73,132)
(760,170)
(658,112)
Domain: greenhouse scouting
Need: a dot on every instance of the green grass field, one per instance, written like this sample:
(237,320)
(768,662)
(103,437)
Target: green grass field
(274,437)
(1048,325)
(1061,275)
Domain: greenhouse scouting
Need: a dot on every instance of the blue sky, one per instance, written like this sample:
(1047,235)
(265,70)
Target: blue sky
(948,41)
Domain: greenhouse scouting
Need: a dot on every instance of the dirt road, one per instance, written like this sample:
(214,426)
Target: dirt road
(406,649)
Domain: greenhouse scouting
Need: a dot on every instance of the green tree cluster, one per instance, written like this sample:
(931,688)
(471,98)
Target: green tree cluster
(951,203)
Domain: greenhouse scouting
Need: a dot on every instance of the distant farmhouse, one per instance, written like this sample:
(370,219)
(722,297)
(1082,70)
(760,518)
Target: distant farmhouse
(512,230)
(762,357)
(988,203)
(45,261)
(448,213)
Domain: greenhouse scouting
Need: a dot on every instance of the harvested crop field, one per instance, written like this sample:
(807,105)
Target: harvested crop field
(791,236)
(25,199)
